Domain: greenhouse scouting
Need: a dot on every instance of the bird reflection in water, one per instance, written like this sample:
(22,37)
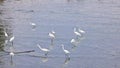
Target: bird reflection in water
(66,62)
(44,58)
(11,53)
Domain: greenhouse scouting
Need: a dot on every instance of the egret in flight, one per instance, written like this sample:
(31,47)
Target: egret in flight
(43,49)
(65,51)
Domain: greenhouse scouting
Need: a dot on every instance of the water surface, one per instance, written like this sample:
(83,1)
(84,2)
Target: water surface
(99,47)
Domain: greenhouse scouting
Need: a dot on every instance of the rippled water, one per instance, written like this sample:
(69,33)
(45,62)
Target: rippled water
(98,48)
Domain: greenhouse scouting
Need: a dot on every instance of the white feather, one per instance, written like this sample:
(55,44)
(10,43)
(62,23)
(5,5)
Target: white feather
(43,49)
(12,38)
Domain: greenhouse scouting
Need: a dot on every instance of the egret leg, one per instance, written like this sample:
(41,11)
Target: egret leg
(46,53)
(67,55)
(67,60)
(12,43)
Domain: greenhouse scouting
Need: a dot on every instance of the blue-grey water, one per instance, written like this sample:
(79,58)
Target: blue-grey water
(98,48)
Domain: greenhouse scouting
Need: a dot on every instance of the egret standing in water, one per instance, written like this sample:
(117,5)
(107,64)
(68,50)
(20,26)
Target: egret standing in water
(52,36)
(5,33)
(6,36)
(73,42)
(65,51)
(77,33)
(11,52)
(33,25)
(43,49)
(81,31)
(11,39)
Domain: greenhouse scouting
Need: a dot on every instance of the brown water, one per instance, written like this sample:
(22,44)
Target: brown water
(99,47)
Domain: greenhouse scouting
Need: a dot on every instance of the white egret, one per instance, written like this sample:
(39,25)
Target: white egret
(76,32)
(12,38)
(33,25)
(53,31)
(81,31)
(6,35)
(65,51)
(52,34)
(11,52)
(43,49)
(73,42)
(5,32)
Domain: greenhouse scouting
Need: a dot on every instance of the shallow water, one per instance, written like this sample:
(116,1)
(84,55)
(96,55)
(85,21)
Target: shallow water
(98,48)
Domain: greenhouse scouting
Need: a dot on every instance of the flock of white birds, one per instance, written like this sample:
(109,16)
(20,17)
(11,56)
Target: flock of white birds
(75,41)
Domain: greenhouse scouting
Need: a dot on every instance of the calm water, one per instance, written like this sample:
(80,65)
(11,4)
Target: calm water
(98,48)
